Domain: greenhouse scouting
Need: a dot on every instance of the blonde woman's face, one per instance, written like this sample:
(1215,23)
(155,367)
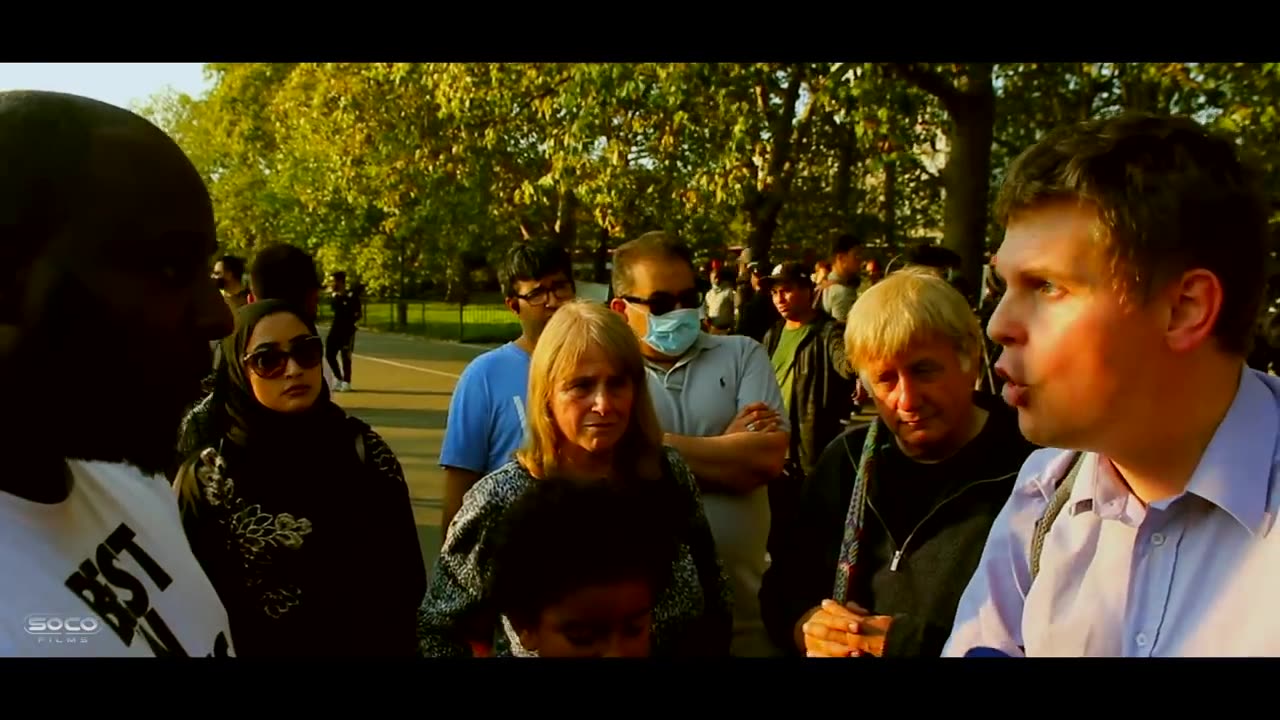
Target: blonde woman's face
(591,405)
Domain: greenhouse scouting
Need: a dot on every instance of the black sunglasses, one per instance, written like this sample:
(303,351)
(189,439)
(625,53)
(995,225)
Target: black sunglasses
(270,363)
(661,303)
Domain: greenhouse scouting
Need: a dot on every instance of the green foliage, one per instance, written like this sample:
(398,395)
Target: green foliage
(409,176)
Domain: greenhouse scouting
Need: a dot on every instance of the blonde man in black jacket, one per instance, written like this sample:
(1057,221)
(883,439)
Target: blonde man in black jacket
(890,524)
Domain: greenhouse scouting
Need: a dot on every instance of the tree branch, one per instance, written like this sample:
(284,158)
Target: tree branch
(929,81)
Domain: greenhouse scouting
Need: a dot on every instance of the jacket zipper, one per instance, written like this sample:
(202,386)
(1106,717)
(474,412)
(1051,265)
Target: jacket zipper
(900,550)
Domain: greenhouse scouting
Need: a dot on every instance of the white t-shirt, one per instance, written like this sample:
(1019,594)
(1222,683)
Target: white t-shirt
(106,573)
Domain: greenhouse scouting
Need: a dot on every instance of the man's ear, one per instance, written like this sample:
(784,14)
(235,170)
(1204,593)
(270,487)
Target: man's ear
(1194,303)
(513,304)
(619,306)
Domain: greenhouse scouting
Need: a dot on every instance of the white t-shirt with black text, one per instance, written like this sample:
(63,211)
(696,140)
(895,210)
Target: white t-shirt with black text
(108,572)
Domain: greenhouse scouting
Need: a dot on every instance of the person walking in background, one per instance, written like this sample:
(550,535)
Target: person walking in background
(486,423)
(228,277)
(1134,263)
(719,302)
(342,332)
(758,315)
(845,280)
(88,525)
(591,420)
(299,513)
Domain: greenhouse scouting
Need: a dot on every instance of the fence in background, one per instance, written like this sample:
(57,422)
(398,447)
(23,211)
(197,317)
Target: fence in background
(487,321)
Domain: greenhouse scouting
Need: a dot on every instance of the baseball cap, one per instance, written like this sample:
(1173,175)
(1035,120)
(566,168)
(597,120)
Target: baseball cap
(791,272)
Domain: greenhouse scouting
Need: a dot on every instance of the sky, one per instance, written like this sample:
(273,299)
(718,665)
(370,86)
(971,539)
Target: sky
(117,83)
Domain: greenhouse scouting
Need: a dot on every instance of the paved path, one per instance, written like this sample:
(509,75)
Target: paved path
(402,387)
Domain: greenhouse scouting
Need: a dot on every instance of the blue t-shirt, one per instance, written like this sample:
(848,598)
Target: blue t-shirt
(486,422)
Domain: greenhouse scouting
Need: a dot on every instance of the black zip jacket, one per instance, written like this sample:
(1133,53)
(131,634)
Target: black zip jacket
(924,530)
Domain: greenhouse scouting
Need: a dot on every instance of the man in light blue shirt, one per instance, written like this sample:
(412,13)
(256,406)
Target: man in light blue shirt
(1134,258)
(486,422)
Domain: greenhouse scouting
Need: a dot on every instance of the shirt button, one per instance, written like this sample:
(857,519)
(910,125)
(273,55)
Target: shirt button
(1157,539)
(1141,639)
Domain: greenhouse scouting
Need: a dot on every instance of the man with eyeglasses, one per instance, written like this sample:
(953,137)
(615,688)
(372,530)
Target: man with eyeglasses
(720,407)
(486,422)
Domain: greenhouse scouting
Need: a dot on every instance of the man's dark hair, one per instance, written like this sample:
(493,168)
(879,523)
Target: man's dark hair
(234,266)
(844,242)
(340,275)
(1170,197)
(283,272)
(932,256)
(649,246)
(532,260)
(726,275)
(562,536)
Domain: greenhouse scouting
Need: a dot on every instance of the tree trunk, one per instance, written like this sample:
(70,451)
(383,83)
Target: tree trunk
(967,178)
(842,193)
(599,269)
(890,210)
(566,229)
(764,211)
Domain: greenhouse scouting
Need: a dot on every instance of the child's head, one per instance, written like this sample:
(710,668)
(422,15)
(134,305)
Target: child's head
(578,568)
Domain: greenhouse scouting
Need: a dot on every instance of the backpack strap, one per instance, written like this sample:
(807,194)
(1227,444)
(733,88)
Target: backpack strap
(1062,491)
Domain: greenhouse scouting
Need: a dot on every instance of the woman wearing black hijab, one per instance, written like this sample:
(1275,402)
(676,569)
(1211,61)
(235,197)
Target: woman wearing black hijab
(298,512)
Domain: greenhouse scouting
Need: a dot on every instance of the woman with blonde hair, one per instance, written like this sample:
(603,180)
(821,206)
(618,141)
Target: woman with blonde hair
(590,419)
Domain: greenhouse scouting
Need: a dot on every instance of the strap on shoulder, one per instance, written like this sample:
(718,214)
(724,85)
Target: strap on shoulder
(1062,491)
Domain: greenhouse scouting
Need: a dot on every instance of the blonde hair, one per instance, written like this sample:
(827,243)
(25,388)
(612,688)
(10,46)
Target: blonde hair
(910,306)
(574,329)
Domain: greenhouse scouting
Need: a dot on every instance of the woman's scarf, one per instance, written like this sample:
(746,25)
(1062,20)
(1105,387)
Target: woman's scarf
(847,563)
(251,425)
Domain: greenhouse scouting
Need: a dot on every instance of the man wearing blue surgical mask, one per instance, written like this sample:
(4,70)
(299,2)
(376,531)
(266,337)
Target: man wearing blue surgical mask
(718,401)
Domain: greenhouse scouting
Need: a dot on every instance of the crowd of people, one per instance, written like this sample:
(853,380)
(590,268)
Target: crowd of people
(672,473)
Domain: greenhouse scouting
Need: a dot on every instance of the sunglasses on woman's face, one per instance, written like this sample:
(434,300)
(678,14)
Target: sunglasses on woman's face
(270,363)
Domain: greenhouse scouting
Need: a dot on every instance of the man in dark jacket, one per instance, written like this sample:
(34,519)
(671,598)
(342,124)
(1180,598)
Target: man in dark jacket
(892,521)
(806,347)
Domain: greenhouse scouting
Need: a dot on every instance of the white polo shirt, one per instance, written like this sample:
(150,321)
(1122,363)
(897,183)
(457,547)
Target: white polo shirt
(699,396)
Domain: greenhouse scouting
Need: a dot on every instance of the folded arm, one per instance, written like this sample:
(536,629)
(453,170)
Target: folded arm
(737,463)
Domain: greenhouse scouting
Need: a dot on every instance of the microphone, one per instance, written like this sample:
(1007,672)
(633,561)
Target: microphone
(986,652)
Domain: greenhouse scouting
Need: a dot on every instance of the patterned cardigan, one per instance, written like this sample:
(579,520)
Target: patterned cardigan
(692,617)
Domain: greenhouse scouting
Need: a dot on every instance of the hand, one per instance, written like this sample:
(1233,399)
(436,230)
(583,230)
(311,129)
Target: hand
(844,631)
(756,417)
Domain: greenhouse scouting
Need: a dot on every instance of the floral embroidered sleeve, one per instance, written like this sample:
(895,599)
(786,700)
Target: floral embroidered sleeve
(455,612)
(715,627)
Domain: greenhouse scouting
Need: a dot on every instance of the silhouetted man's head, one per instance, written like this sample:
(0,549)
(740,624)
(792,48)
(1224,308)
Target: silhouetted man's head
(107,310)
(284,272)
(228,273)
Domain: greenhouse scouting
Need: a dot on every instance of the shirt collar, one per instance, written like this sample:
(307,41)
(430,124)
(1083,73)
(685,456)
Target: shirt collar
(1235,471)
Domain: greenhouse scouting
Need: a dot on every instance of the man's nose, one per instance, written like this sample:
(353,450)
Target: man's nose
(908,395)
(1001,326)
